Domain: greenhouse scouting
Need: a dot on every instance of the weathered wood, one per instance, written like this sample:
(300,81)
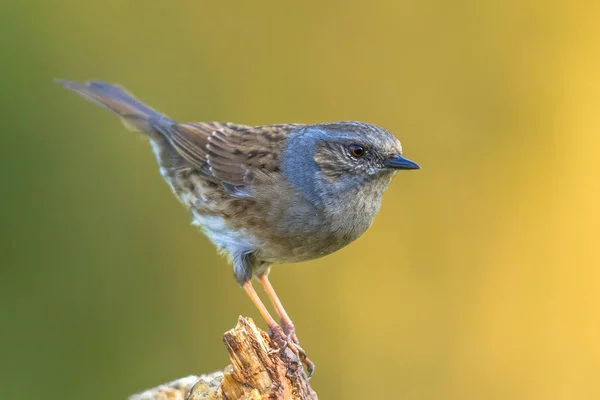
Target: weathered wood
(259,370)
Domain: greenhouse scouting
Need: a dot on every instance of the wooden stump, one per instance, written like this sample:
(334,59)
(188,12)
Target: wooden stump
(258,371)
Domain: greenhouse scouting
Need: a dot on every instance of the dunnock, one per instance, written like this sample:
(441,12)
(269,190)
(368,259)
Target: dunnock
(267,194)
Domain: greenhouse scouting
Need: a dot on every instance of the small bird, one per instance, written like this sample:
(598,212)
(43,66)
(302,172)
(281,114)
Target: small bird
(267,194)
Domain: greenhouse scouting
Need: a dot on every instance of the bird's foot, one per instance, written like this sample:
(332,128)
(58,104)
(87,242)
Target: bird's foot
(290,341)
(290,331)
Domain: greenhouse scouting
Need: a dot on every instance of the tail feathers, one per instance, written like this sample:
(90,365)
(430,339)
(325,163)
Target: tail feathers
(135,114)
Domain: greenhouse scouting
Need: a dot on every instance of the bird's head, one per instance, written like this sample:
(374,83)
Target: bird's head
(334,158)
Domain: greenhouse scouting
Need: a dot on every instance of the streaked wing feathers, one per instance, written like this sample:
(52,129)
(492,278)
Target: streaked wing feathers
(228,152)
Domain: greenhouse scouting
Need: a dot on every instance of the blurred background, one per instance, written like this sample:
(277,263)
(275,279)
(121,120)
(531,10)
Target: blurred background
(478,280)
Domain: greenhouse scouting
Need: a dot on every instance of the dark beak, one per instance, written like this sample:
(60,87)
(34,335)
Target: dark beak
(398,162)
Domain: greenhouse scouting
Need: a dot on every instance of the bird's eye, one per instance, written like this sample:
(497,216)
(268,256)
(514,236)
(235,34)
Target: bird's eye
(356,150)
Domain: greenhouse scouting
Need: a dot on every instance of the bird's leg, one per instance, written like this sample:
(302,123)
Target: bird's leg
(249,289)
(275,330)
(286,322)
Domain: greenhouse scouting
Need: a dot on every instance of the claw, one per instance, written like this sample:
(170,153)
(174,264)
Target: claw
(310,367)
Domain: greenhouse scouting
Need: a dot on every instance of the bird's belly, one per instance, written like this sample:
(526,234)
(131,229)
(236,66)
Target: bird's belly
(288,230)
(230,240)
(271,247)
(299,253)
(308,245)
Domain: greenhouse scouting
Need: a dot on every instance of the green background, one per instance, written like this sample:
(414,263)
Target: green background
(478,280)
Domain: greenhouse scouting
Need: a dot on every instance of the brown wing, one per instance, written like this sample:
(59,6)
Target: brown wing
(227,152)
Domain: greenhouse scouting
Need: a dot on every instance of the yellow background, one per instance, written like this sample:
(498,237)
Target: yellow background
(478,280)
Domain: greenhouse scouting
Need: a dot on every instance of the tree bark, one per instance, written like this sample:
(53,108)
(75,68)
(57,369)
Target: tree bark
(259,370)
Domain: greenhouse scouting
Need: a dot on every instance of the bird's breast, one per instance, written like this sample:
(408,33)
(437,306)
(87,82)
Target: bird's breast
(273,220)
(303,230)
